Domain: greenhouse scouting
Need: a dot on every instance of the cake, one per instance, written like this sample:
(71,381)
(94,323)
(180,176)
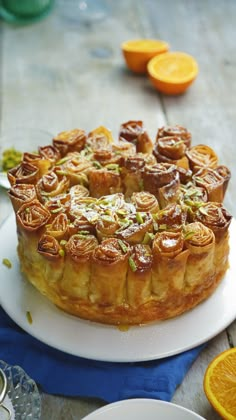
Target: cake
(122,232)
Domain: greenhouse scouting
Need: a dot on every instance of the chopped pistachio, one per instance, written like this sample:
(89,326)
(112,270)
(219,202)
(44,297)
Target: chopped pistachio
(61,161)
(63,242)
(139,218)
(61,252)
(7,262)
(132,264)
(29,317)
(188,235)
(122,246)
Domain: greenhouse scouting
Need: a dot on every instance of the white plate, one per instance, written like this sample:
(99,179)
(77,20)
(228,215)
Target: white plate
(108,343)
(140,409)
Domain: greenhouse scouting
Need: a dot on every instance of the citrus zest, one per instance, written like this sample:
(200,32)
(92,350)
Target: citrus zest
(172,72)
(138,52)
(220,383)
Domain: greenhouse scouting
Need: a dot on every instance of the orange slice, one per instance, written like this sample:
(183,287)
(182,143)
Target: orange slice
(173,72)
(138,52)
(220,384)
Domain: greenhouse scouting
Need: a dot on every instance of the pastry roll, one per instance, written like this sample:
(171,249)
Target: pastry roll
(76,169)
(162,180)
(171,149)
(169,264)
(139,275)
(200,241)
(38,161)
(104,157)
(124,148)
(70,141)
(51,185)
(50,153)
(31,219)
(130,131)
(176,130)
(134,132)
(185,175)
(24,173)
(76,276)
(108,272)
(58,204)
(217,218)
(20,194)
(103,132)
(223,171)
(59,227)
(52,263)
(212,181)
(106,226)
(172,218)
(139,224)
(77,192)
(145,202)
(104,182)
(201,156)
(131,174)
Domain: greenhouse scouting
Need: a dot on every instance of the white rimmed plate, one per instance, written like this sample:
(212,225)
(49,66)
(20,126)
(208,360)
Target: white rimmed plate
(103,342)
(140,409)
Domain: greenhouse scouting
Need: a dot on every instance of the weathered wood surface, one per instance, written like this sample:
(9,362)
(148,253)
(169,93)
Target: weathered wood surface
(62,73)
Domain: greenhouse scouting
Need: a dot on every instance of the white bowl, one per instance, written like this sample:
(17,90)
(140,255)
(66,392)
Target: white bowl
(143,409)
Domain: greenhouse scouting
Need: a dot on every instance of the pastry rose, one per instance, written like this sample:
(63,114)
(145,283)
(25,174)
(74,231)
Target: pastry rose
(134,132)
(200,241)
(108,272)
(70,141)
(38,161)
(173,218)
(51,185)
(177,131)
(106,226)
(171,150)
(134,230)
(24,173)
(169,264)
(217,218)
(145,202)
(52,260)
(76,276)
(201,156)
(20,194)
(50,153)
(104,182)
(212,181)
(131,174)
(223,171)
(139,275)
(162,180)
(59,227)
(32,216)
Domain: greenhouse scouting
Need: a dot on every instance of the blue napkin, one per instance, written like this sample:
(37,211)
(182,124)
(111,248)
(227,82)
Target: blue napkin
(63,374)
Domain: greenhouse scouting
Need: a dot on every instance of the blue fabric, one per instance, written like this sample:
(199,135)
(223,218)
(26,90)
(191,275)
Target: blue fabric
(62,374)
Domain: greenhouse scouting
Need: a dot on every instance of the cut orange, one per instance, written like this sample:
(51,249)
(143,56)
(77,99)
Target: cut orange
(172,72)
(138,52)
(220,384)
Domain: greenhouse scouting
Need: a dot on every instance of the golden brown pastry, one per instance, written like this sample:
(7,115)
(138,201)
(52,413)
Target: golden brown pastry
(109,234)
(201,156)
(20,194)
(162,180)
(176,130)
(171,149)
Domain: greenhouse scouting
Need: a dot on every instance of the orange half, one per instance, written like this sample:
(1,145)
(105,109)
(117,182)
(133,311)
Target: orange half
(138,52)
(220,384)
(172,72)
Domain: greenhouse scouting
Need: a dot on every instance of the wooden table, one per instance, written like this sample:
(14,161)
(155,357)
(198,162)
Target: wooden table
(64,72)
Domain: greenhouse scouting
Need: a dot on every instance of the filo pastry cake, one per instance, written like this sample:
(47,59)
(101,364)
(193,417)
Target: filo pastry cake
(124,232)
